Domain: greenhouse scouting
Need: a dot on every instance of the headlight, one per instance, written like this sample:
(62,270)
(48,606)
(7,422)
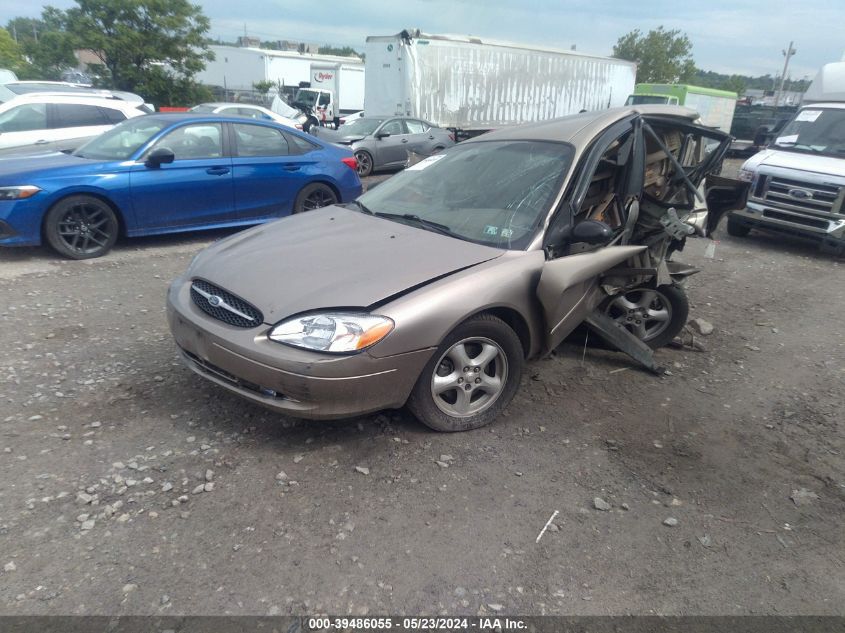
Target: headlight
(18,193)
(746,175)
(334,332)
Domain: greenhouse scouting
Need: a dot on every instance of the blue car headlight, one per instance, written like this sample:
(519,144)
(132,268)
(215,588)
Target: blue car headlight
(18,193)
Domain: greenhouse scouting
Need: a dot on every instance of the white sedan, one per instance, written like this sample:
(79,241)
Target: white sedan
(247,110)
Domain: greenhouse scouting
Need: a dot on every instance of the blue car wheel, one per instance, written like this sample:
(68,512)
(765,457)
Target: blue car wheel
(81,227)
(314,196)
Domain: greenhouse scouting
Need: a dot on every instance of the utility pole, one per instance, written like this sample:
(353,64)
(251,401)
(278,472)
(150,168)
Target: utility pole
(789,52)
(14,32)
(34,33)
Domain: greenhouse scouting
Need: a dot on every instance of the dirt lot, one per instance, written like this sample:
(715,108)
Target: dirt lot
(106,441)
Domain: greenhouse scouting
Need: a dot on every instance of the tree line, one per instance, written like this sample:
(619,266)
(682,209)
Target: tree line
(665,56)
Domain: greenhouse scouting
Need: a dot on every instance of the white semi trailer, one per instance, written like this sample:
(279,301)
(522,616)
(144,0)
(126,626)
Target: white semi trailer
(473,85)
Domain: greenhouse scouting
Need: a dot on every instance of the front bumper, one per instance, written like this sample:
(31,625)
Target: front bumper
(786,221)
(20,221)
(293,381)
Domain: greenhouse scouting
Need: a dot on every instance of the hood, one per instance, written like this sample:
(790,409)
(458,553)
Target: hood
(13,167)
(800,161)
(331,258)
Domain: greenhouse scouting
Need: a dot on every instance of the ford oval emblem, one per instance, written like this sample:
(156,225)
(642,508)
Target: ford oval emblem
(801,194)
(215,300)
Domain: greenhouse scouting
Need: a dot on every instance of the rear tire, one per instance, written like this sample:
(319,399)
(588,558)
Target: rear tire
(365,163)
(314,196)
(81,227)
(736,228)
(311,122)
(446,398)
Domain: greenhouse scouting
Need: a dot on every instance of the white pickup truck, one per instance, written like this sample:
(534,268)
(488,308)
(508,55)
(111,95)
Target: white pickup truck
(798,182)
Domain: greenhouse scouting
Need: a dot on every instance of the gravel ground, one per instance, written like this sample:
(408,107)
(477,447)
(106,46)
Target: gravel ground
(132,486)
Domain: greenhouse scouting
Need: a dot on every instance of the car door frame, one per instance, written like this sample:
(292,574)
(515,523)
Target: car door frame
(140,228)
(568,289)
(379,158)
(292,162)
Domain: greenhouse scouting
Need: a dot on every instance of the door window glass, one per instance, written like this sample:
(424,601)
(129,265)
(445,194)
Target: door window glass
(259,140)
(324,100)
(416,127)
(32,116)
(74,115)
(191,142)
(394,127)
(112,115)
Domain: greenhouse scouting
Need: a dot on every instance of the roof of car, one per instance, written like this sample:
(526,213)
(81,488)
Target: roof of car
(227,104)
(583,127)
(68,97)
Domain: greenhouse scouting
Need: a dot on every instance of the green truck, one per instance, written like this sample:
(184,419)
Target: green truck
(716,107)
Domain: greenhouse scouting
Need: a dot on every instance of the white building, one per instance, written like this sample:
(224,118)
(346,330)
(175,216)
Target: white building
(239,68)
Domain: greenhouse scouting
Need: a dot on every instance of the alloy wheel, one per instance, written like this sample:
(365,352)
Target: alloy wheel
(645,312)
(84,228)
(318,198)
(469,377)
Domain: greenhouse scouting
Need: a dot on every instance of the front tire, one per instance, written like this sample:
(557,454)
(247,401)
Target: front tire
(654,315)
(314,196)
(81,227)
(737,228)
(365,163)
(311,122)
(471,378)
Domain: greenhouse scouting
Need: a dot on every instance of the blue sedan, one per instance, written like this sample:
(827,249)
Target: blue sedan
(166,173)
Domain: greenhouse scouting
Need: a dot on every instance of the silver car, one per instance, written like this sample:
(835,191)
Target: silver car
(385,142)
(434,288)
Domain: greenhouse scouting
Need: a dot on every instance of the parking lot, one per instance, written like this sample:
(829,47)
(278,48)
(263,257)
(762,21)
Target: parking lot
(134,486)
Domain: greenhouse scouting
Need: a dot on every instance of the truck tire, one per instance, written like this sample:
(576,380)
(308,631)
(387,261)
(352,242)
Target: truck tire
(311,122)
(737,228)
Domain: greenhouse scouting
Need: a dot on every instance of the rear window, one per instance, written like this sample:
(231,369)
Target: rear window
(302,145)
(259,140)
(75,115)
(112,115)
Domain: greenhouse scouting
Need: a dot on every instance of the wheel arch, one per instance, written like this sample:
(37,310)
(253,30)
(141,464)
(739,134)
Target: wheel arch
(102,197)
(513,319)
(323,181)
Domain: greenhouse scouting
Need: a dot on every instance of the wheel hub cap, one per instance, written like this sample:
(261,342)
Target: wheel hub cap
(470,377)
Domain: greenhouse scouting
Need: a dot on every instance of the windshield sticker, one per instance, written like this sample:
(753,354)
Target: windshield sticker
(491,230)
(782,140)
(425,163)
(808,115)
(507,233)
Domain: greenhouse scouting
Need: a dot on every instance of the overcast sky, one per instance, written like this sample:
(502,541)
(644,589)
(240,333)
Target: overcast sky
(729,36)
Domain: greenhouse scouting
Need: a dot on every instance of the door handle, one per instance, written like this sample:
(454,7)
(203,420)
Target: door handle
(41,142)
(291,167)
(404,140)
(430,137)
(217,171)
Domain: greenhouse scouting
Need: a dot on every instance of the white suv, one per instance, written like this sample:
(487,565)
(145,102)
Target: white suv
(55,122)
(251,111)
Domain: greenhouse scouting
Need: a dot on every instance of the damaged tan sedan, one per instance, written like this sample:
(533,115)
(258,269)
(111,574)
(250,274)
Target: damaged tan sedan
(434,288)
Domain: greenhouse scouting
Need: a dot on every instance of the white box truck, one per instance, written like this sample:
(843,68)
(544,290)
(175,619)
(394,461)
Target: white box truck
(716,107)
(473,85)
(335,89)
(798,182)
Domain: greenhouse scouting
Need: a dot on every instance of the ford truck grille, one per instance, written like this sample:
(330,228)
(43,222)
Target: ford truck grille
(795,195)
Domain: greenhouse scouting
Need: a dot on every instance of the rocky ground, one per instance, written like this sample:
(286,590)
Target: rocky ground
(129,485)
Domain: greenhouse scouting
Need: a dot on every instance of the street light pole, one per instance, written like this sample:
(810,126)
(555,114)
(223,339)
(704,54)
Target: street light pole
(789,52)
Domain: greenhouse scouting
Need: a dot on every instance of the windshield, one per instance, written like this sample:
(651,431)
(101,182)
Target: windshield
(307,97)
(123,140)
(495,193)
(360,126)
(815,130)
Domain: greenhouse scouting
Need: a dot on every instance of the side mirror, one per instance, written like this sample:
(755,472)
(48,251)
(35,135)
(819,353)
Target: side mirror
(382,134)
(591,232)
(160,156)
